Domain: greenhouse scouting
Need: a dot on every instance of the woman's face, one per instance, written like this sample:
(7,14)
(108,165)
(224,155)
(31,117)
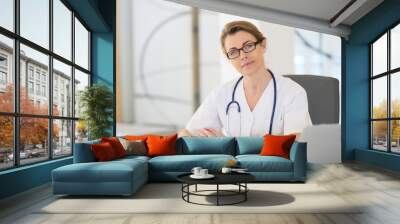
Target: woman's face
(247,63)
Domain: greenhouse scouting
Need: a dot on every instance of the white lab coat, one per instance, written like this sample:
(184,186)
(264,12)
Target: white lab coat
(291,113)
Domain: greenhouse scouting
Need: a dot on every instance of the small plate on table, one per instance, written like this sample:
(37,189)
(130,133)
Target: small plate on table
(208,176)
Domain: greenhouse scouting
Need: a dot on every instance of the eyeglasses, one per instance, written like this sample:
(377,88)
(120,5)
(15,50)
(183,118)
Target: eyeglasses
(248,47)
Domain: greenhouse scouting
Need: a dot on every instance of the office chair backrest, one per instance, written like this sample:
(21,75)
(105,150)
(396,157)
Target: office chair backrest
(323,97)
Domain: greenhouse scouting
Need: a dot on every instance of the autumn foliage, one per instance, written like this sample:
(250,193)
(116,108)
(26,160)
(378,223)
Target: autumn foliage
(33,131)
(380,127)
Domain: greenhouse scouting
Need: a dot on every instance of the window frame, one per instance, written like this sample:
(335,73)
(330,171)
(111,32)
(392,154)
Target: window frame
(388,74)
(16,114)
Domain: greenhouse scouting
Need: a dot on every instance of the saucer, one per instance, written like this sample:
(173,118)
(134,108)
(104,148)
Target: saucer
(208,176)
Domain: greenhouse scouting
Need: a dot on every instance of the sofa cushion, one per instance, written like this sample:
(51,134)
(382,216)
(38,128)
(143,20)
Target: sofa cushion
(116,145)
(249,145)
(131,158)
(134,147)
(136,137)
(277,145)
(206,145)
(185,163)
(103,151)
(159,145)
(111,171)
(257,163)
(83,152)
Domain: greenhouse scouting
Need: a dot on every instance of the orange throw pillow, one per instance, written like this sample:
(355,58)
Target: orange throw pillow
(103,151)
(277,145)
(116,145)
(161,145)
(135,137)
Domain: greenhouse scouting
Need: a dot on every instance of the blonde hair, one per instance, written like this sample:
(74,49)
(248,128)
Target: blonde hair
(236,26)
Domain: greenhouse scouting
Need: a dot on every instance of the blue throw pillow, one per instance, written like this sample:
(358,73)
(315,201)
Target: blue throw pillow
(205,145)
(249,145)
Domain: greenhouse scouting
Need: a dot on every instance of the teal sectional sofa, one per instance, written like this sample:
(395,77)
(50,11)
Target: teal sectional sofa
(125,176)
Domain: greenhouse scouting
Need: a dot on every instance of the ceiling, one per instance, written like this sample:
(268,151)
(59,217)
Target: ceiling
(326,16)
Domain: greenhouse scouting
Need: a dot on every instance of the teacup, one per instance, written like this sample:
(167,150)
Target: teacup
(226,170)
(203,172)
(196,170)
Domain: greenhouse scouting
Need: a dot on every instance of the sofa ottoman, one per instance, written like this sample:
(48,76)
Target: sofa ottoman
(118,177)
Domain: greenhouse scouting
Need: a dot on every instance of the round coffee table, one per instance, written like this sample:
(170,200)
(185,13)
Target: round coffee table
(238,179)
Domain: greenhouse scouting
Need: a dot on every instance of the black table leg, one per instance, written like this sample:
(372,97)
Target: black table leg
(245,193)
(217,194)
(196,188)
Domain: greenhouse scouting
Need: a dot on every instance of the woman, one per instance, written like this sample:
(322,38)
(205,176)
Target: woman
(250,112)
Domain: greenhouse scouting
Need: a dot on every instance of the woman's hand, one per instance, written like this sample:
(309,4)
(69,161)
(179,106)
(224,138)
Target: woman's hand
(184,132)
(209,132)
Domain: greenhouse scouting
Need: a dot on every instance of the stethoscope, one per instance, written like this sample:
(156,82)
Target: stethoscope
(233,101)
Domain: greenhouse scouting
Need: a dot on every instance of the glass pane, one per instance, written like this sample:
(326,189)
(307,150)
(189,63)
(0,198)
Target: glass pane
(62,89)
(62,138)
(6,74)
(379,135)
(81,131)
(35,21)
(7,14)
(33,139)
(34,97)
(395,136)
(6,142)
(395,47)
(62,29)
(81,81)
(379,55)
(395,94)
(379,97)
(81,45)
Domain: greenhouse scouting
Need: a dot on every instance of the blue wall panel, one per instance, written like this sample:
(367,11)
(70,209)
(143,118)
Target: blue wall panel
(103,62)
(24,178)
(355,76)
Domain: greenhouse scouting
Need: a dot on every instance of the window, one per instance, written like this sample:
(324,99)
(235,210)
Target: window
(35,21)
(61,74)
(37,75)
(37,89)
(385,94)
(45,131)
(6,73)
(3,61)
(62,137)
(3,72)
(81,45)
(81,81)
(6,142)
(62,29)
(3,78)
(44,91)
(30,87)
(30,72)
(7,14)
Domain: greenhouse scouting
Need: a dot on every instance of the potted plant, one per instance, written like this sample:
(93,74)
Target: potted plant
(96,102)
